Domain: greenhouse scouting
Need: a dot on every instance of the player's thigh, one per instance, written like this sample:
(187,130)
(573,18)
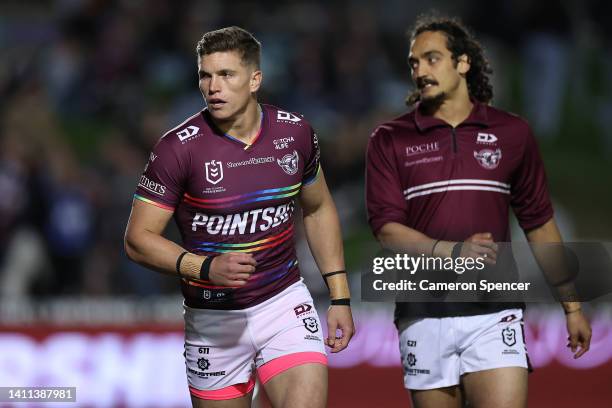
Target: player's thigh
(241,402)
(302,386)
(447,397)
(500,387)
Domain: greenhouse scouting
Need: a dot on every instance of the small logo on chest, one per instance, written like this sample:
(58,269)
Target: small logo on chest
(283,143)
(289,163)
(422,148)
(214,171)
(486,138)
(488,159)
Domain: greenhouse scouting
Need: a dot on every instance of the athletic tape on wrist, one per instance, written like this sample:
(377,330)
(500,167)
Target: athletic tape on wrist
(178,262)
(341,302)
(328,274)
(205,269)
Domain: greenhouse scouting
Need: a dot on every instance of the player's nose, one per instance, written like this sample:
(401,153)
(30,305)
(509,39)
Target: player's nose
(214,85)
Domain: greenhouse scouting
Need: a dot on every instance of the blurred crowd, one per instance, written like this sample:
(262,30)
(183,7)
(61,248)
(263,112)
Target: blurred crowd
(88,86)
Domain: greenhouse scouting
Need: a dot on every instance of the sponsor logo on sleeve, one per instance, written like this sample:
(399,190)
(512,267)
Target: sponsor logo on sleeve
(187,133)
(488,159)
(486,138)
(151,186)
(214,171)
(289,163)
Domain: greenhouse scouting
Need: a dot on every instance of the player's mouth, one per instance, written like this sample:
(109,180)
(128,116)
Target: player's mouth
(425,84)
(216,103)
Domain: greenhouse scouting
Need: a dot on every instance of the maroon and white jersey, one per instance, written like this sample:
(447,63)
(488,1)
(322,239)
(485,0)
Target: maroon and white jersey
(228,196)
(450,183)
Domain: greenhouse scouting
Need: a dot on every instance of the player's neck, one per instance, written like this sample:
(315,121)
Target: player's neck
(245,127)
(455,109)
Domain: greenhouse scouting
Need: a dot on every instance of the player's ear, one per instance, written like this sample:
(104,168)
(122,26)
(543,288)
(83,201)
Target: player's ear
(463,64)
(256,78)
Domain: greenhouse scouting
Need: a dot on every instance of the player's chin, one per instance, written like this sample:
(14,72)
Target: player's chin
(222,113)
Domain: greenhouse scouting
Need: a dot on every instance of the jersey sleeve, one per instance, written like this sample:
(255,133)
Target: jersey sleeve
(384,199)
(530,198)
(162,182)
(313,162)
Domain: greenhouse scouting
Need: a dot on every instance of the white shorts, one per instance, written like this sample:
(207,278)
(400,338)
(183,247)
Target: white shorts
(224,348)
(436,352)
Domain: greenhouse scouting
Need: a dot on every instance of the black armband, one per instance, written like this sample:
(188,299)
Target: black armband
(205,269)
(178,262)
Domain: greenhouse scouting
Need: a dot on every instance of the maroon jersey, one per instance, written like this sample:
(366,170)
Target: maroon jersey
(450,183)
(228,196)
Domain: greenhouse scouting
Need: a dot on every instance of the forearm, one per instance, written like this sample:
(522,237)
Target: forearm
(155,252)
(552,261)
(322,228)
(400,238)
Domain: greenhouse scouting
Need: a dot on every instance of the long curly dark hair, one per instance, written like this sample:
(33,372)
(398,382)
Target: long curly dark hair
(459,42)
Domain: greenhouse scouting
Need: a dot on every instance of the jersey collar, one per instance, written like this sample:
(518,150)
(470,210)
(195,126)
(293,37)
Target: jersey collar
(478,117)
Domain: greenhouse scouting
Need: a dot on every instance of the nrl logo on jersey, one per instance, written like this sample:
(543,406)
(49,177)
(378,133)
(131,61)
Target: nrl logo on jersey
(488,158)
(289,163)
(288,117)
(187,133)
(214,171)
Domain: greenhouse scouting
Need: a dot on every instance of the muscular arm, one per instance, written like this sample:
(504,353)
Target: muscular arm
(322,228)
(145,245)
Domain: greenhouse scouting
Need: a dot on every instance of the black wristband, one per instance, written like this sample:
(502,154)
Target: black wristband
(178,262)
(457,250)
(341,302)
(205,269)
(434,247)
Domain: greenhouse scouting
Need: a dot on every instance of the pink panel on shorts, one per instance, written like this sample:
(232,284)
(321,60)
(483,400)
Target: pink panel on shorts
(230,392)
(280,364)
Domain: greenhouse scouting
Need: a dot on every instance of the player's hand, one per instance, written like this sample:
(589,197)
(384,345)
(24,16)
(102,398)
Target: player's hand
(579,330)
(480,245)
(339,318)
(232,269)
